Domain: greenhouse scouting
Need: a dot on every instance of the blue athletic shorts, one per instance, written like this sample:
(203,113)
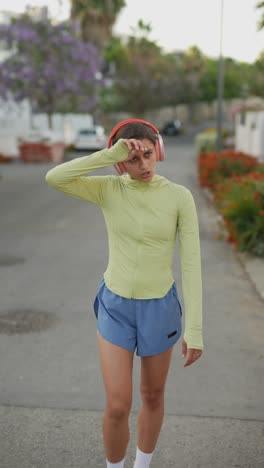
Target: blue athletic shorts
(150,325)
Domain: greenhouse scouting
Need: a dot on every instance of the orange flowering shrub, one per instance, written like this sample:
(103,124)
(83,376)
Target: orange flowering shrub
(213,167)
(237,183)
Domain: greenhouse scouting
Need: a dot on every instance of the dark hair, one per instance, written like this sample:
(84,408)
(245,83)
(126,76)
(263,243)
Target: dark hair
(136,130)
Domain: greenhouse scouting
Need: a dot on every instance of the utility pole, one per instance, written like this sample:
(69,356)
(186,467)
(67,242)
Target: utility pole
(220,85)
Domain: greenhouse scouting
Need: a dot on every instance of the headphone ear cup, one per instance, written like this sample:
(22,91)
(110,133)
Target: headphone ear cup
(159,146)
(120,168)
(157,149)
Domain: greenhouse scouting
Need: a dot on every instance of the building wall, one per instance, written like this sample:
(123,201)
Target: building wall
(249,133)
(17,121)
(201,112)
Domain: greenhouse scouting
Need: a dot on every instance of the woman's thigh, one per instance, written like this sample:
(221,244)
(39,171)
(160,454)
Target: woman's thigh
(117,370)
(154,371)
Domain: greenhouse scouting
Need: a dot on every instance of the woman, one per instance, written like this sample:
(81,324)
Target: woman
(137,304)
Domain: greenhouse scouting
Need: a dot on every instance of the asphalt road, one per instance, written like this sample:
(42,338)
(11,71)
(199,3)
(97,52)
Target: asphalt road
(53,252)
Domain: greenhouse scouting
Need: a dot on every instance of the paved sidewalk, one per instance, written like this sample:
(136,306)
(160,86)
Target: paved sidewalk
(68,438)
(253,266)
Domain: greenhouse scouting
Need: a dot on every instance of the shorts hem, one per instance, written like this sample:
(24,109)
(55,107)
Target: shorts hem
(113,342)
(170,345)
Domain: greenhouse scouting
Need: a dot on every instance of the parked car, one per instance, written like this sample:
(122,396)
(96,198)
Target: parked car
(171,128)
(92,138)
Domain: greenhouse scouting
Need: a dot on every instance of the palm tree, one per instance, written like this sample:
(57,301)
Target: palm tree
(94,19)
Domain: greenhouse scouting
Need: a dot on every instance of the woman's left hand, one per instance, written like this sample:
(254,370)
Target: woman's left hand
(191,354)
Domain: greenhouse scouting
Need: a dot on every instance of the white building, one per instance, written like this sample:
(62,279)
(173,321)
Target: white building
(249,130)
(18,122)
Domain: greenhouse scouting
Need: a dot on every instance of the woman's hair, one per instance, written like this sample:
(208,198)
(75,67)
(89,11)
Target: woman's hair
(136,130)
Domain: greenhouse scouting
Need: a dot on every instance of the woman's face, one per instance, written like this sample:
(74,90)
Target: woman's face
(142,163)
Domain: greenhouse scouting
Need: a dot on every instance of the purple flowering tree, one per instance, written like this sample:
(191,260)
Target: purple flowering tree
(48,65)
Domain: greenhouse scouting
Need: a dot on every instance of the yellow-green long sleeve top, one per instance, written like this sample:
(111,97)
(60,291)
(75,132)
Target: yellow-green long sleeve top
(142,220)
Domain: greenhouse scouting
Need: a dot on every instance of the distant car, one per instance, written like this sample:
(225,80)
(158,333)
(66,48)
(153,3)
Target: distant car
(172,128)
(92,138)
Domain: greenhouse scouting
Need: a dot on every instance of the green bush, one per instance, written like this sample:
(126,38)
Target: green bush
(242,207)
(205,142)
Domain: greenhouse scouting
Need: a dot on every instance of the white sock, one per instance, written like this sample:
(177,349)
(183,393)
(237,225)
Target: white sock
(115,465)
(142,459)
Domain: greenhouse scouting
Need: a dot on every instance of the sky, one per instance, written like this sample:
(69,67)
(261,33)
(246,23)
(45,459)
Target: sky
(179,24)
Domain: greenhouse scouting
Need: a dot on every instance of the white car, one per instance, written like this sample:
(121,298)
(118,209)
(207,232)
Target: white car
(91,138)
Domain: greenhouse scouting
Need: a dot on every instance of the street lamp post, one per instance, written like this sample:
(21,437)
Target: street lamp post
(220,81)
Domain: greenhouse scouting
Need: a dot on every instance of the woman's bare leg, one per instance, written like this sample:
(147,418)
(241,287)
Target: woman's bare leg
(154,371)
(116,366)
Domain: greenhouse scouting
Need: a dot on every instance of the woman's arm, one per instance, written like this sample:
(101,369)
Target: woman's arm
(189,246)
(68,177)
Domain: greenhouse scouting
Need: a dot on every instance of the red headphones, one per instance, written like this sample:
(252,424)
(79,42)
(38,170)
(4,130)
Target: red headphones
(159,146)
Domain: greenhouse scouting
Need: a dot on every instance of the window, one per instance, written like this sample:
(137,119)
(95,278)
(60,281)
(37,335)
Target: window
(87,132)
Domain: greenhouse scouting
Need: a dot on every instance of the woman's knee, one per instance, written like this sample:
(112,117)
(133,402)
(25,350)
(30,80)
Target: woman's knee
(152,398)
(118,408)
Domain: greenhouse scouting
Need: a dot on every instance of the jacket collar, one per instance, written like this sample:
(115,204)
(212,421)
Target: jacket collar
(156,182)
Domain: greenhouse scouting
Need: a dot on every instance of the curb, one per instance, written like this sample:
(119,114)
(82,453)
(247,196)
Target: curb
(253,266)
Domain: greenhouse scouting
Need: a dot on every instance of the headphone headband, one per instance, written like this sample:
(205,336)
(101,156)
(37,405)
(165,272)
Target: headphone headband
(128,121)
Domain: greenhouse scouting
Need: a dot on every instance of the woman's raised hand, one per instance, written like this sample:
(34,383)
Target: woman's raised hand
(134,145)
